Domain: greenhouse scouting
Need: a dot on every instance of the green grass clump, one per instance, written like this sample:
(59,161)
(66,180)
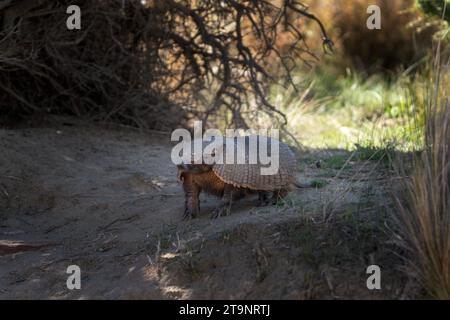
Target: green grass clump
(384,154)
(339,110)
(335,162)
(319,183)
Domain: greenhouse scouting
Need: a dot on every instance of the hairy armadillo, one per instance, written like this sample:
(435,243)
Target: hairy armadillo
(233,180)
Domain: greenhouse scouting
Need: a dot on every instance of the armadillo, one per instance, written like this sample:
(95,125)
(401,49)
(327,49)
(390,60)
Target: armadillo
(235,180)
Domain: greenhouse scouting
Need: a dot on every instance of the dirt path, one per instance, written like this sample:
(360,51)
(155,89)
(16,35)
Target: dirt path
(109,201)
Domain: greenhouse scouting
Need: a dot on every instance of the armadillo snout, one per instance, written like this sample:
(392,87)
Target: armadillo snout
(194,168)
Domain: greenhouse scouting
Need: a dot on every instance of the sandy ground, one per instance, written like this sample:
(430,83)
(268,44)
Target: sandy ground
(108,200)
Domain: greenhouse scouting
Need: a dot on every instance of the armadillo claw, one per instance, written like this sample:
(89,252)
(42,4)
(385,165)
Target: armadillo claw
(188,215)
(218,212)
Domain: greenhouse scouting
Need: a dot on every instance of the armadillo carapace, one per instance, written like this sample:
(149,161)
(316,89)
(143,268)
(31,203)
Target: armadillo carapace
(233,180)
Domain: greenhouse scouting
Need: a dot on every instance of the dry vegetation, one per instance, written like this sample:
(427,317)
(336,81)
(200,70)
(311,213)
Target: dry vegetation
(424,212)
(141,62)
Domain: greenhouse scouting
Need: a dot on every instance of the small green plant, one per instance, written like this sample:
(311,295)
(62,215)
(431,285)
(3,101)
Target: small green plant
(384,154)
(335,162)
(319,183)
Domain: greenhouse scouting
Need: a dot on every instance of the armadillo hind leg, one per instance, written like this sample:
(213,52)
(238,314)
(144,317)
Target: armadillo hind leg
(263,198)
(279,195)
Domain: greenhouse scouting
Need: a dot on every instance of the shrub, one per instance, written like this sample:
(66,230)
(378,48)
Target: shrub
(436,8)
(404,38)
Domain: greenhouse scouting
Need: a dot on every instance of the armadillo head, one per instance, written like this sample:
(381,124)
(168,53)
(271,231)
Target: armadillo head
(189,168)
(199,161)
(194,168)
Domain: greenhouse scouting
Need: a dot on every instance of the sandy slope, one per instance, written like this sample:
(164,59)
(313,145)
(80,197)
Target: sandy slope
(108,200)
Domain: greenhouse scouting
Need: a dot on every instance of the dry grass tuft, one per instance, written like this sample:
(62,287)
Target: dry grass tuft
(424,216)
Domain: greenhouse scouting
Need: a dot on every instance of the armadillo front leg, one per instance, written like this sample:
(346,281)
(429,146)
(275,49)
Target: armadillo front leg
(263,198)
(192,201)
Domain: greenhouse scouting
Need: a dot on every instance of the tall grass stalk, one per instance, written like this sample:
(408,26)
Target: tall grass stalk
(424,212)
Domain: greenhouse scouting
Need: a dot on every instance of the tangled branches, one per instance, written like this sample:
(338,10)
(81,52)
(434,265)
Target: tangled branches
(138,61)
(227,49)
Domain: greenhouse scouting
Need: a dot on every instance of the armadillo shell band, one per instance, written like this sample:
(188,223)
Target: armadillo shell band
(249,175)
